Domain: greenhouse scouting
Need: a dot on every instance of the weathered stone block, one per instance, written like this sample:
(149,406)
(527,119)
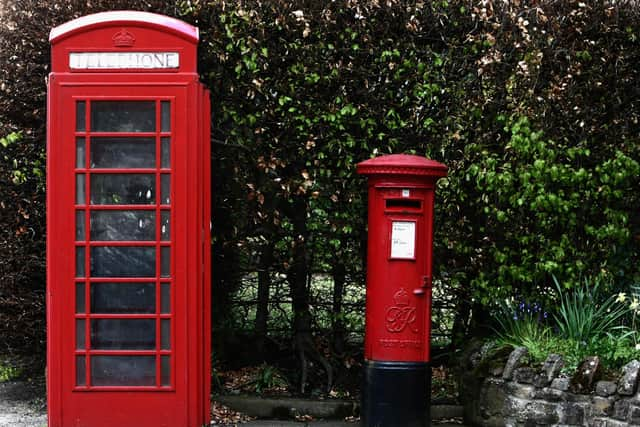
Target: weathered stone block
(587,374)
(629,380)
(571,413)
(550,369)
(550,394)
(524,375)
(634,415)
(530,412)
(491,399)
(516,359)
(621,409)
(521,391)
(606,422)
(606,388)
(542,413)
(561,384)
(601,406)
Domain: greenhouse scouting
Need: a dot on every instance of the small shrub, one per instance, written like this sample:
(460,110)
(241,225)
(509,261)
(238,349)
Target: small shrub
(523,325)
(587,323)
(268,377)
(585,315)
(9,372)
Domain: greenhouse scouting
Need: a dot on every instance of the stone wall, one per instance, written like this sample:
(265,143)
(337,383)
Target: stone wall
(501,390)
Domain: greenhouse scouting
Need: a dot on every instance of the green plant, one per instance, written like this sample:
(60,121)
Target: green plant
(634,309)
(9,372)
(523,325)
(268,377)
(587,323)
(585,315)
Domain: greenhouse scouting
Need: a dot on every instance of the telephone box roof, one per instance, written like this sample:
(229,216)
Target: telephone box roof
(124,17)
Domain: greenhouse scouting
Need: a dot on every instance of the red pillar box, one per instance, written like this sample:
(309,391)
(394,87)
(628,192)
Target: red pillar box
(396,390)
(128,224)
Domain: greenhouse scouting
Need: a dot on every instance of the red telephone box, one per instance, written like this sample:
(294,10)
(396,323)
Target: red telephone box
(398,305)
(128,207)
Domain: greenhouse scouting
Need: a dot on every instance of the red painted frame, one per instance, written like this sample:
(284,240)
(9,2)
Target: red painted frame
(158,243)
(186,401)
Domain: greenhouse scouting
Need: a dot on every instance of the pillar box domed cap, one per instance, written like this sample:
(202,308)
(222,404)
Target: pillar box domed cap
(402,164)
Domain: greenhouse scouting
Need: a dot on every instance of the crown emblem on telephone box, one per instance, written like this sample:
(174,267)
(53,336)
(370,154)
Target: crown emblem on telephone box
(123,38)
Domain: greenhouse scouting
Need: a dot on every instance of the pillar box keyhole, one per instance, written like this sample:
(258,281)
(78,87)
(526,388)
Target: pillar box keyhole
(128,205)
(397,373)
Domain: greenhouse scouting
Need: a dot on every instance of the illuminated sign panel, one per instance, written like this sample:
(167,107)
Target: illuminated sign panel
(123,60)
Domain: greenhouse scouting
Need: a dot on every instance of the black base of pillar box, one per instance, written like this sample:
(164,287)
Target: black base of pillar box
(396,394)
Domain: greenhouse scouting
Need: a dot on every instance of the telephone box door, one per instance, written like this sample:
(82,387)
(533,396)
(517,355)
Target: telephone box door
(125,296)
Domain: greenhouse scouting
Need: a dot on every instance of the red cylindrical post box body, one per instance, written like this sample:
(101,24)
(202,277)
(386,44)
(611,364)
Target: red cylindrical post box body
(398,304)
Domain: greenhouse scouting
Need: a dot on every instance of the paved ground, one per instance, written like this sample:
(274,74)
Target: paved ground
(24,405)
(319,424)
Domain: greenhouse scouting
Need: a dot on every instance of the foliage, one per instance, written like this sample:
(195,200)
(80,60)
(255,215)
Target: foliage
(545,215)
(268,377)
(522,325)
(633,306)
(585,315)
(8,372)
(533,107)
(587,323)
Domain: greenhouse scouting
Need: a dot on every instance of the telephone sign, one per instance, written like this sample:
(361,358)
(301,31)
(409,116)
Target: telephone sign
(128,207)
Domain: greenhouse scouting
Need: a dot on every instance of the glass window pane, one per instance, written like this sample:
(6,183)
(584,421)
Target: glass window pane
(123,189)
(123,152)
(123,225)
(165,109)
(81,116)
(123,116)
(165,184)
(165,298)
(123,371)
(123,334)
(165,152)
(165,334)
(80,303)
(80,232)
(80,189)
(165,261)
(80,334)
(123,261)
(80,153)
(81,370)
(165,231)
(165,371)
(80,261)
(123,298)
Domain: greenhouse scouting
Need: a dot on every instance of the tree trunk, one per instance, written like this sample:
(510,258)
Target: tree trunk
(339,273)
(262,309)
(460,321)
(297,277)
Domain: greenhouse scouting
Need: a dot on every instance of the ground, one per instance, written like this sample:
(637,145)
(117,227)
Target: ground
(22,404)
